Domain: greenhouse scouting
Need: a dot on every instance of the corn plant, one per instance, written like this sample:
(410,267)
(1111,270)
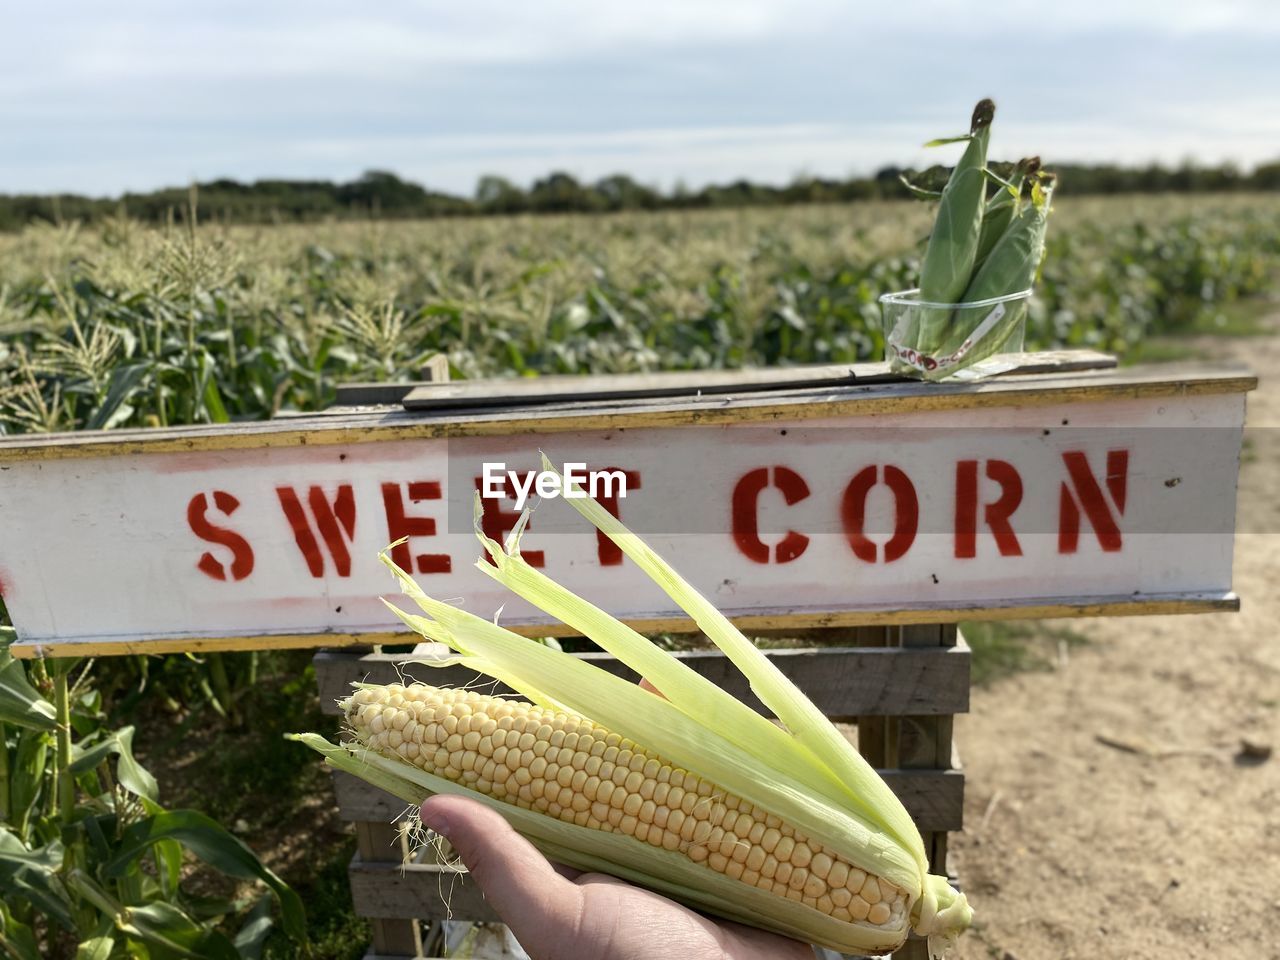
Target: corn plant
(91,864)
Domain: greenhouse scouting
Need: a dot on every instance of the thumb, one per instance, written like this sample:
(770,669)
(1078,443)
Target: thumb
(539,905)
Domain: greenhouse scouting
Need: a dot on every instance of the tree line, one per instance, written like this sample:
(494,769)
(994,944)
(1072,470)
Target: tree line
(380,193)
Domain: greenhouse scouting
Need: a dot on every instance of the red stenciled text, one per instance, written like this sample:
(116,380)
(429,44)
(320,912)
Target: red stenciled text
(985,495)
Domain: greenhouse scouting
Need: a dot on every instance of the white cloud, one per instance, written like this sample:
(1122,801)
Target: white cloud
(214,38)
(137,93)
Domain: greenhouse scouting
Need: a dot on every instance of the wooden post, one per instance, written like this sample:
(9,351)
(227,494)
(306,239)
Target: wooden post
(384,843)
(435,369)
(923,742)
(874,731)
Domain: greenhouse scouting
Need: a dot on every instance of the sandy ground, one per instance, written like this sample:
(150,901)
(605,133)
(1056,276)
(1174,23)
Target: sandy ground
(1076,847)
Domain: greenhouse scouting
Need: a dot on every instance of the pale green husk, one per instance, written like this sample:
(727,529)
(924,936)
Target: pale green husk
(808,773)
(953,243)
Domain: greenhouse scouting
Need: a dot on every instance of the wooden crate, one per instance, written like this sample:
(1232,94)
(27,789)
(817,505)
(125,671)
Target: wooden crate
(900,685)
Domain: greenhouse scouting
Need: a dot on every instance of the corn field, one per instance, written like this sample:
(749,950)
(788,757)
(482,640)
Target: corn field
(125,325)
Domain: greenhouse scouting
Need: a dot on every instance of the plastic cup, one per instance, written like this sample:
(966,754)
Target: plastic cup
(933,341)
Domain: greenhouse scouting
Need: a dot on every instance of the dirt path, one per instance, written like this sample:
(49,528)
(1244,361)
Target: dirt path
(1075,848)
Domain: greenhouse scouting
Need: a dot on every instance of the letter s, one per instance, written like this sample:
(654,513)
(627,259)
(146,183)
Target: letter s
(198,521)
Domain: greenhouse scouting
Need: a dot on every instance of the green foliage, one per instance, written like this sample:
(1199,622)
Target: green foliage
(383,194)
(126,326)
(91,865)
(335,932)
(1113,283)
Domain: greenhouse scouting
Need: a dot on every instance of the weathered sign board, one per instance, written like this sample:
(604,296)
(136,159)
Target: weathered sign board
(1060,493)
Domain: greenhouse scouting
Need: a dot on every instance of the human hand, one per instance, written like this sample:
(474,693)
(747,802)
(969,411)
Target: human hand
(560,914)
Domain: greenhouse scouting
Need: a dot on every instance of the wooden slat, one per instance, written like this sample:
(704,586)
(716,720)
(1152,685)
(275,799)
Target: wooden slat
(1038,390)
(424,891)
(531,391)
(933,798)
(1044,608)
(843,681)
(434,371)
(372,394)
(380,841)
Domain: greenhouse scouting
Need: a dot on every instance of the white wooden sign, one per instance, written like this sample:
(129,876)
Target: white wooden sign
(918,503)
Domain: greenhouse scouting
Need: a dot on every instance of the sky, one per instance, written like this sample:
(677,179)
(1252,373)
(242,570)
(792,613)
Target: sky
(99,98)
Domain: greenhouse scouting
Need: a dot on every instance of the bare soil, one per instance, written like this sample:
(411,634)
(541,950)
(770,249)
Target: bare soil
(1112,810)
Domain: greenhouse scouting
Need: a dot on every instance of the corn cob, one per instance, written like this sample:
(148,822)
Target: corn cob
(1002,208)
(1015,258)
(567,767)
(1010,268)
(796,799)
(953,244)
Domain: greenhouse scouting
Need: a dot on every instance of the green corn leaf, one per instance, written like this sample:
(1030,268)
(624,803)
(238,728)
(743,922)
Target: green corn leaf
(20,703)
(920,193)
(132,775)
(32,875)
(92,825)
(27,776)
(96,948)
(252,935)
(167,927)
(215,846)
(212,396)
(114,409)
(16,937)
(1009,185)
(168,857)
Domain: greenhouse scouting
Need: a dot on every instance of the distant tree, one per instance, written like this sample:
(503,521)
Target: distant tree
(1267,176)
(384,191)
(681,196)
(273,200)
(560,193)
(740,193)
(496,194)
(620,192)
(1220,179)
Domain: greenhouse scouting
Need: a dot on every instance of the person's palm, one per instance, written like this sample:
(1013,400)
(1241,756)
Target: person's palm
(557,914)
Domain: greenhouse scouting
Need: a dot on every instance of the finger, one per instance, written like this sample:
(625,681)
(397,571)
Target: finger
(539,905)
